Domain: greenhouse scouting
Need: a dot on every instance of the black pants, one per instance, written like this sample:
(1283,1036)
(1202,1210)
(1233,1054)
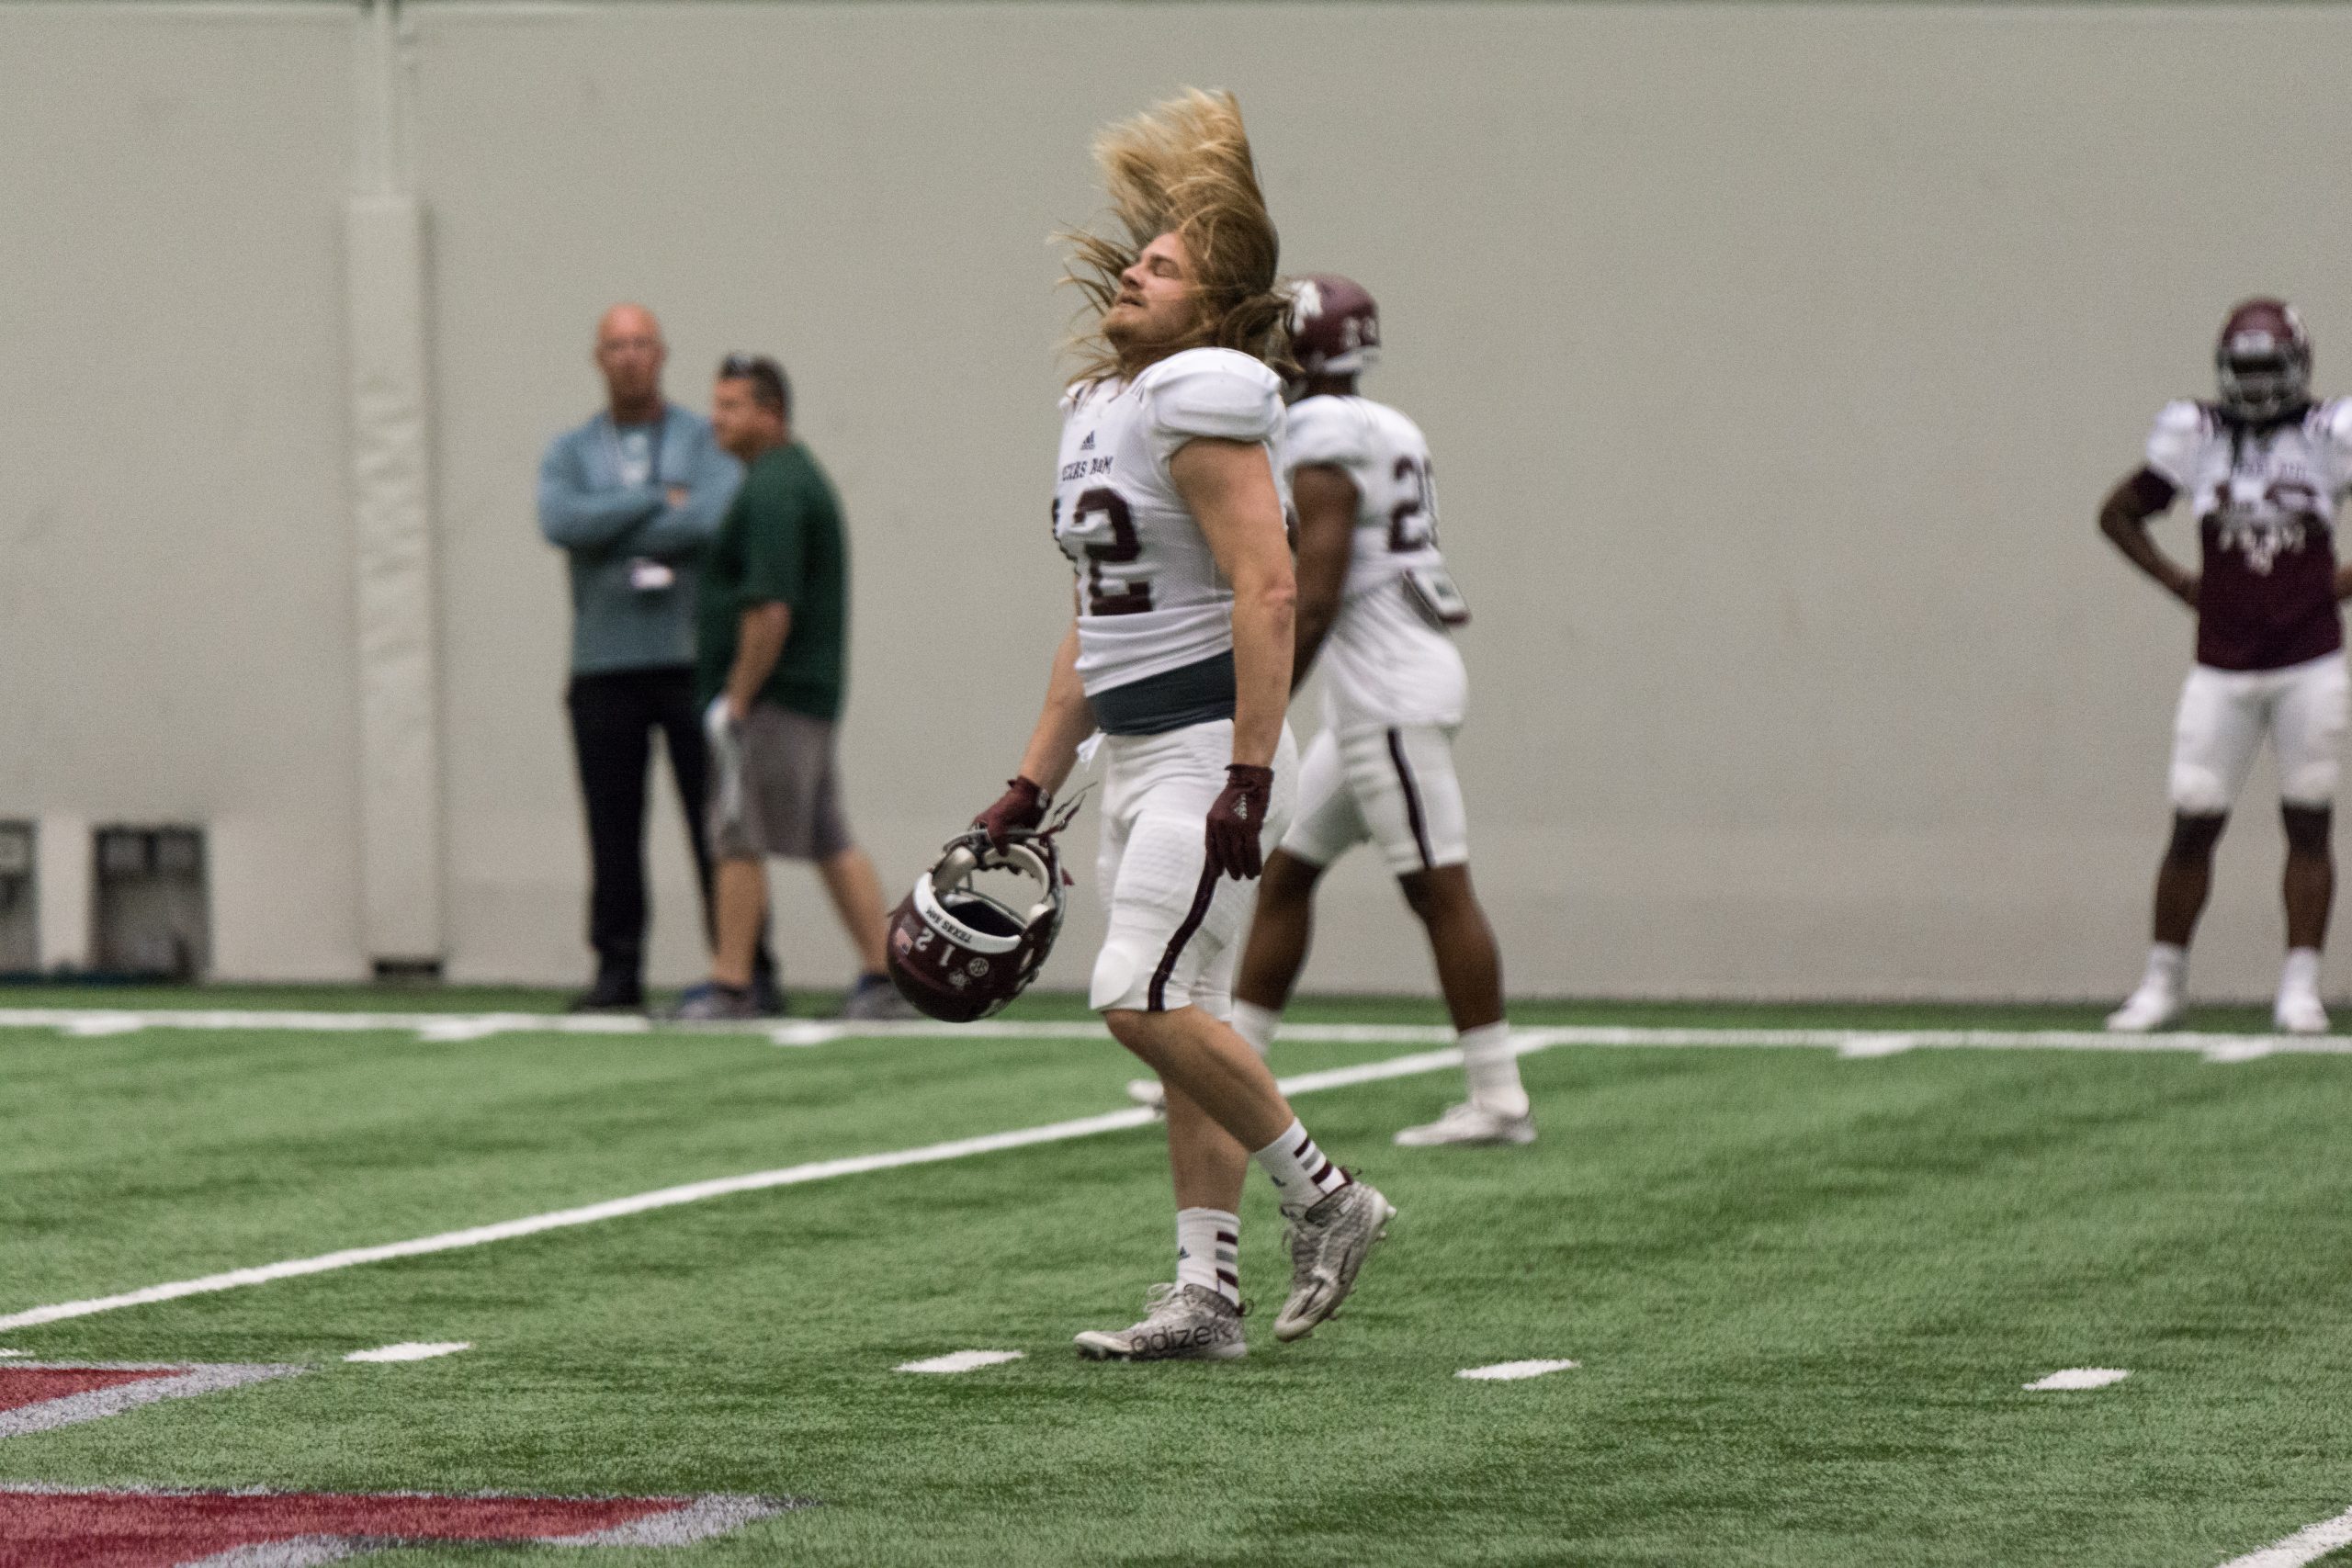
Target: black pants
(614,715)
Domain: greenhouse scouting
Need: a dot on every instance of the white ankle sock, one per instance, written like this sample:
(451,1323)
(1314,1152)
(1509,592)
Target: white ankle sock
(2300,974)
(2168,966)
(1255,1024)
(1493,1069)
(1208,1251)
(1302,1177)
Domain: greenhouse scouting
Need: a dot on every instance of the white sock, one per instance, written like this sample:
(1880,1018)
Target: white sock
(1255,1024)
(1302,1177)
(2300,975)
(1208,1244)
(1492,1068)
(2167,968)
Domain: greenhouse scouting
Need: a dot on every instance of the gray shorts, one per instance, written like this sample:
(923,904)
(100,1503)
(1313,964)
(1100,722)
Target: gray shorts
(781,796)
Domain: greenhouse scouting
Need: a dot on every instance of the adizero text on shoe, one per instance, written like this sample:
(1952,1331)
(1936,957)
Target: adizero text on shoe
(2144,1010)
(1470,1124)
(1328,1245)
(1181,1323)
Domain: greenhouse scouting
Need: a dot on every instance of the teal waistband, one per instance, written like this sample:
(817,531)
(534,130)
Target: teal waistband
(1196,693)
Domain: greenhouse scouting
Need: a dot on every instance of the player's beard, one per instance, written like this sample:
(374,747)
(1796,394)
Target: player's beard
(1143,337)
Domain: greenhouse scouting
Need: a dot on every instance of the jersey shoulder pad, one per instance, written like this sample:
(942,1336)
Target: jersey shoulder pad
(1213,392)
(2334,417)
(2181,427)
(1326,430)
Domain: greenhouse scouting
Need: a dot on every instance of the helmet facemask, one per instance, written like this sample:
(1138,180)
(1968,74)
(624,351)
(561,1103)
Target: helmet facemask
(2263,361)
(2261,386)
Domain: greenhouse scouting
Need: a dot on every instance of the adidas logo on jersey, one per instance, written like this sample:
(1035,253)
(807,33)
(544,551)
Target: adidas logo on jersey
(1087,444)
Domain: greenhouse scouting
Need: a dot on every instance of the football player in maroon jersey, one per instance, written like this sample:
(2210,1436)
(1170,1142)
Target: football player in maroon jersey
(2263,468)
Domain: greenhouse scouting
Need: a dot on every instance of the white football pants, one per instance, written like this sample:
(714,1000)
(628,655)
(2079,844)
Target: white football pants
(1174,935)
(1393,785)
(2223,716)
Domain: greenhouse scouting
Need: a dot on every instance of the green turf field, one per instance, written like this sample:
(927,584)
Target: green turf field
(1804,1293)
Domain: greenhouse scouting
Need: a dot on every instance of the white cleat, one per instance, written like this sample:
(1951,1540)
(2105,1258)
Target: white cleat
(2299,1012)
(1328,1245)
(1470,1124)
(1150,1093)
(1181,1323)
(2147,1008)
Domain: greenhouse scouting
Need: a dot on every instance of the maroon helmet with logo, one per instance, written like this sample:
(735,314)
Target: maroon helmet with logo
(1334,325)
(957,954)
(2265,360)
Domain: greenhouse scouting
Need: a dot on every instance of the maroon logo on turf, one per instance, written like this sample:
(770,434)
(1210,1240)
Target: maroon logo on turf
(38,1395)
(58,1527)
(66,1526)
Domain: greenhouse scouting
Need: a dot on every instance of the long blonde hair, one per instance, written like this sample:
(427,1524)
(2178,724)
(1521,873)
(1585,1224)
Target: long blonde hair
(1183,168)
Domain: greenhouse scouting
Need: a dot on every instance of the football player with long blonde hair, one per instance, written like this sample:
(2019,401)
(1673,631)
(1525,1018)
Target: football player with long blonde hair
(1170,504)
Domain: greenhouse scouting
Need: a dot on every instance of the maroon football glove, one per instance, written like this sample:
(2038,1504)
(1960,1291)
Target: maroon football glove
(1236,819)
(1022,805)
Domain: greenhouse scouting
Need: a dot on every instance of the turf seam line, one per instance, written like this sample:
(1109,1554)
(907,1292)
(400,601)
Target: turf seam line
(720,1187)
(2306,1545)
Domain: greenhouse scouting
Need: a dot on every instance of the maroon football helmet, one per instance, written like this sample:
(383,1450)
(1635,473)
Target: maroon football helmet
(2265,361)
(1334,325)
(957,954)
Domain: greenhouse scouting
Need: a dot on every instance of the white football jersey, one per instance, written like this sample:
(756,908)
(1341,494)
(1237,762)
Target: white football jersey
(1150,598)
(1386,662)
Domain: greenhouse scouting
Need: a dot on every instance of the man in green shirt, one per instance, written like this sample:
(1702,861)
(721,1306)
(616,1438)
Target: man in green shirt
(772,644)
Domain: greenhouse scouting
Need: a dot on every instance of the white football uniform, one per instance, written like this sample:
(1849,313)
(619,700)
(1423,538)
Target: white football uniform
(1394,689)
(1155,637)
(2269,637)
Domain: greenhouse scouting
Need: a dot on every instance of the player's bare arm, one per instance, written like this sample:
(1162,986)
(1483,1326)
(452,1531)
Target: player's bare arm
(1229,487)
(1065,722)
(759,643)
(1327,502)
(2123,518)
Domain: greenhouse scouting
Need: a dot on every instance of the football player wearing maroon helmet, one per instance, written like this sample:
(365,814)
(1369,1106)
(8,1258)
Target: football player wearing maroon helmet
(1168,503)
(2263,468)
(1376,603)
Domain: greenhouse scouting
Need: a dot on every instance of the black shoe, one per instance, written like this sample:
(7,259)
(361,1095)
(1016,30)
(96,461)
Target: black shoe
(767,995)
(611,993)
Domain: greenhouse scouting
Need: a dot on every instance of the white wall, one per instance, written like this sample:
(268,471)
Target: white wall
(1774,359)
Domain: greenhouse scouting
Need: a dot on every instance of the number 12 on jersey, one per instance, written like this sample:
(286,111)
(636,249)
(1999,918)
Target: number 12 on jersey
(1131,597)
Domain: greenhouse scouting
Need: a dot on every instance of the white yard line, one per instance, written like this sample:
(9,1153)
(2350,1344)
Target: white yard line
(959,1361)
(697,1191)
(101,1023)
(2077,1378)
(1510,1371)
(2307,1545)
(412,1351)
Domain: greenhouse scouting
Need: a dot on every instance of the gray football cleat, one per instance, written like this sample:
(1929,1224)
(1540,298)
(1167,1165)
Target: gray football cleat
(711,1002)
(875,999)
(1148,1092)
(1327,1245)
(1470,1124)
(1181,1323)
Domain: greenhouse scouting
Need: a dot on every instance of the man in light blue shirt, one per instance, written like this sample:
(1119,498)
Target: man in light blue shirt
(632,497)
